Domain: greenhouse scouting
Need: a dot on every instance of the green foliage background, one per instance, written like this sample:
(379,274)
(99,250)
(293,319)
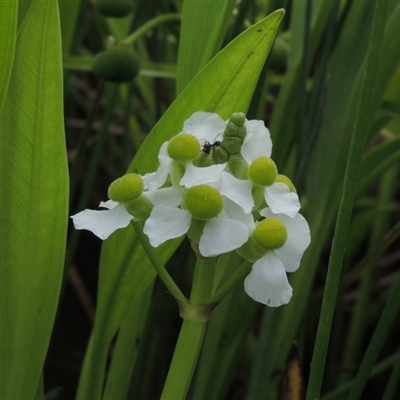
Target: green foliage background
(329,91)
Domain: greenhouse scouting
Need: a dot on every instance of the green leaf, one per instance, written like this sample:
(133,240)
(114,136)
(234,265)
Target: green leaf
(377,161)
(224,86)
(196,49)
(33,202)
(8,36)
(69,12)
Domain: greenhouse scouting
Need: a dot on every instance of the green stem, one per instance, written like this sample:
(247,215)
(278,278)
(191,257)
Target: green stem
(238,277)
(184,361)
(202,280)
(161,271)
(195,316)
(150,25)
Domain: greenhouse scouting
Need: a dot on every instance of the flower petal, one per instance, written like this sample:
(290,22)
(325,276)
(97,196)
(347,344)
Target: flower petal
(281,200)
(199,176)
(238,191)
(267,282)
(166,223)
(103,222)
(234,211)
(257,142)
(205,126)
(221,235)
(168,196)
(297,242)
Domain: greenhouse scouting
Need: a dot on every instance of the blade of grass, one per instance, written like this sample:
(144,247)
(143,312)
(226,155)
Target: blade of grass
(383,366)
(378,338)
(348,197)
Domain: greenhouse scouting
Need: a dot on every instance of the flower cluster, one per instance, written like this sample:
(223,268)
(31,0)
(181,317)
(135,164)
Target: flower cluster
(216,182)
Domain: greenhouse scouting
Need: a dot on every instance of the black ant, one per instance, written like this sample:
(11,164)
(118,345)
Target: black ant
(207,146)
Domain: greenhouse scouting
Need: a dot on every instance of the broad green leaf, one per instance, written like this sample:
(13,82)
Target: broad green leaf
(8,35)
(69,11)
(224,86)
(195,48)
(33,202)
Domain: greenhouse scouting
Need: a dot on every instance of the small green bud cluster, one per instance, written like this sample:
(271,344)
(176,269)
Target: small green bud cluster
(117,64)
(234,134)
(114,8)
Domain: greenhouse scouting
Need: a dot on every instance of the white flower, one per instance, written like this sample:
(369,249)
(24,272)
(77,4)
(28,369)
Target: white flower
(226,232)
(223,233)
(239,191)
(267,282)
(204,126)
(105,222)
(257,143)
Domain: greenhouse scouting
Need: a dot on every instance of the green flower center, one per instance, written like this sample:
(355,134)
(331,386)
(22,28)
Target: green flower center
(270,234)
(203,202)
(183,147)
(125,188)
(284,179)
(263,171)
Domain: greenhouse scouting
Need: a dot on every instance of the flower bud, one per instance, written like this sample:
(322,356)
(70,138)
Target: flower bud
(284,179)
(114,8)
(238,119)
(125,188)
(183,147)
(238,167)
(263,171)
(220,155)
(117,64)
(203,160)
(203,202)
(232,145)
(270,234)
(140,208)
(176,171)
(233,130)
(251,250)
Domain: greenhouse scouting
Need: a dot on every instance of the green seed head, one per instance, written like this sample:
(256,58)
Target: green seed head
(263,171)
(114,8)
(183,147)
(126,188)
(284,179)
(117,64)
(270,234)
(203,202)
